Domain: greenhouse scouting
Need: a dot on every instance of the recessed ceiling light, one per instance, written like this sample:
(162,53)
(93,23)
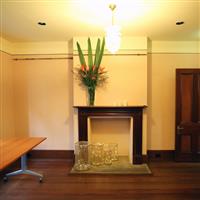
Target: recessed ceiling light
(180,23)
(42,23)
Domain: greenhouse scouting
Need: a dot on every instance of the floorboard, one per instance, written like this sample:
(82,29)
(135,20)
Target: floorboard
(169,181)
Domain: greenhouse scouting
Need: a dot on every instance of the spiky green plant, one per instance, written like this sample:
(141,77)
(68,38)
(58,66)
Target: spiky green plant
(93,74)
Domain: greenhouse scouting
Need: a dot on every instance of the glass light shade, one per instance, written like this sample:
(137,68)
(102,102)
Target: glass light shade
(113,38)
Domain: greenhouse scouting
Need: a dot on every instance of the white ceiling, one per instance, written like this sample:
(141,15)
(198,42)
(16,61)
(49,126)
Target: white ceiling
(68,18)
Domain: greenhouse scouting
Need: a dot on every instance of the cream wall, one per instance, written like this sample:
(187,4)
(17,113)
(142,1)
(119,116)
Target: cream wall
(27,84)
(7,129)
(6,46)
(122,86)
(43,90)
(17,49)
(175,47)
(161,119)
(36,99)
(60,48)
(43,100)
(163,60)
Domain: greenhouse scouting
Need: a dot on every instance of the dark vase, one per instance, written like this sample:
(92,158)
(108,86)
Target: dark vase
(91,95)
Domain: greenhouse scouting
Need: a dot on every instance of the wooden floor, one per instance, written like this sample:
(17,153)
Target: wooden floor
(170,181)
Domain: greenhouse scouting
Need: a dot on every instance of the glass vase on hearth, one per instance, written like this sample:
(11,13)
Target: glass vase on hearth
(107,154)
(96,154)
(114,151)
(81,156)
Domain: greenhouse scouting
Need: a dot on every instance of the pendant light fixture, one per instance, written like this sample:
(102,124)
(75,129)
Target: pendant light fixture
(113,35)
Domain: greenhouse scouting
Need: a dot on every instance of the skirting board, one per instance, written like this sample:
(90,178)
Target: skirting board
(52,154)
(160,155)
(152,155)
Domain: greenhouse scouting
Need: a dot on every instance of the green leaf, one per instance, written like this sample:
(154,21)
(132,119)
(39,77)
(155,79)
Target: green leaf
(97,52)
(81,56)
(90,60)
(101,53)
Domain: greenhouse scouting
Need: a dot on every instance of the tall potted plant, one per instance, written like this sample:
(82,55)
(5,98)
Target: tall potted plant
(92,74)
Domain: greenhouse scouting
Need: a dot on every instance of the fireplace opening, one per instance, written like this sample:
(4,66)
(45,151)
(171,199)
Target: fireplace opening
(133,112)
(112,130)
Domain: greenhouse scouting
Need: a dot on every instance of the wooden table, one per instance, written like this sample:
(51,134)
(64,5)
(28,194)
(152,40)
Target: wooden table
(11,150)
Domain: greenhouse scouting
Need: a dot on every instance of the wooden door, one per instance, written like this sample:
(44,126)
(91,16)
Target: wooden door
(187,115)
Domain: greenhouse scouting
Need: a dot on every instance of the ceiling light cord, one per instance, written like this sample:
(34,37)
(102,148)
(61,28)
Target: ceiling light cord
(113,34)
(112,8)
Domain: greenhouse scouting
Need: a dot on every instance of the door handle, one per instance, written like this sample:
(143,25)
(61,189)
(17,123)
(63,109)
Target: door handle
(179,128)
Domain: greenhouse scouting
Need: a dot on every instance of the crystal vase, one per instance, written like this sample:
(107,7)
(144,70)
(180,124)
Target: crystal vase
(81,156)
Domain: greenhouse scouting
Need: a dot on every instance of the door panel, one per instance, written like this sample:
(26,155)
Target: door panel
(187,115)
(186,144)
(198,96)
(198,145)
(186,95)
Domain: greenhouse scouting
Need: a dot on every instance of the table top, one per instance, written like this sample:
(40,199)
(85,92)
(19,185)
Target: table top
(12,149)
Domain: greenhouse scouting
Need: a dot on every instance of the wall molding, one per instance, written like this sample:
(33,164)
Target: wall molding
(6,52)
(45,58)
(175,53)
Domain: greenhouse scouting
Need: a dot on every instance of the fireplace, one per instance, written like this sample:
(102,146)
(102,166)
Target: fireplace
(135,112)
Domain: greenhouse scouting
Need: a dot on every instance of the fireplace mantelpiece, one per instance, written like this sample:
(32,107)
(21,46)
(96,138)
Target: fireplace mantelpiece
(110,111)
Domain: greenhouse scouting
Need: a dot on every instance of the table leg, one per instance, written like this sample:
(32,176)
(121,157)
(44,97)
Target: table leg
(24,170)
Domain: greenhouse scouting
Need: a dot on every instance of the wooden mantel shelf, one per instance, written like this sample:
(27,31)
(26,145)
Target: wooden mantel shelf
(136,112)
(115,107)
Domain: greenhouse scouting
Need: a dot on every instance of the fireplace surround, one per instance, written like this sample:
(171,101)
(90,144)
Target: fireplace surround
(136,112)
